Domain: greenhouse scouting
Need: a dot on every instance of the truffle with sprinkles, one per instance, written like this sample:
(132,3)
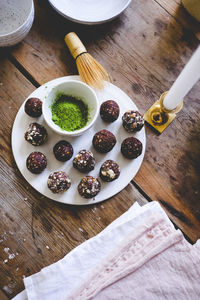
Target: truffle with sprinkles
(33,107)
(63,150)
(104,141)
(36,162)
(131,147)
(109,111)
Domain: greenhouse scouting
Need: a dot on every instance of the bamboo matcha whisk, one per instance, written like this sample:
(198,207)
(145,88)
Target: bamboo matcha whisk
(90,71)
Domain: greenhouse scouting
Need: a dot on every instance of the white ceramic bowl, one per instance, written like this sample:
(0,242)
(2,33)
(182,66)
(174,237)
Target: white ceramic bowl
(78,90)
(90,12)
(16,20)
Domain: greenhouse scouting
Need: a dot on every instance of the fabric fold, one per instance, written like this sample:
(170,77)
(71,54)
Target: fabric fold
(138,256)
(147,240)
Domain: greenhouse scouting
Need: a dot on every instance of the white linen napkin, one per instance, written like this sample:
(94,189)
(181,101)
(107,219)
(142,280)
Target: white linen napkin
(61,279)
(153,262)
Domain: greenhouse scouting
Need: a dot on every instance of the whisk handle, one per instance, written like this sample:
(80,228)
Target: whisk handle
(74,44)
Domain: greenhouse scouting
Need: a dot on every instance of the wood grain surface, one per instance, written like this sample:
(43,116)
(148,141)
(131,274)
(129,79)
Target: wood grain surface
(144,50)
(36,231)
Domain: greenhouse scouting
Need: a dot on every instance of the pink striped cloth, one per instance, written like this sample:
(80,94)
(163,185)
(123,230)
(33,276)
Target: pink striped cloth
(138,256)
(153,262)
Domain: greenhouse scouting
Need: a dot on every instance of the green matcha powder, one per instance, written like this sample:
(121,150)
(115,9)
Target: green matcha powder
(69,113)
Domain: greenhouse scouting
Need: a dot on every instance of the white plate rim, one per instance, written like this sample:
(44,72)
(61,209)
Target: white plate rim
(90,22)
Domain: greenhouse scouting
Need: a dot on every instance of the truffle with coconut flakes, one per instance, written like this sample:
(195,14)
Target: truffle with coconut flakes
(84,161)
(132,121)
(58,182)
(89,187)
(109,171)
(36,134)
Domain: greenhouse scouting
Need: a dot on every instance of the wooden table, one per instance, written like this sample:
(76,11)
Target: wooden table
(144,50)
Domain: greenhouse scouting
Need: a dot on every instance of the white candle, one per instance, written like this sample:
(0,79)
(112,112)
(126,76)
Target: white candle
(185,81)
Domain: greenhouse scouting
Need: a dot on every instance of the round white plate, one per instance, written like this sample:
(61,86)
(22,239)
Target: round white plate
(21,148)
(90,12)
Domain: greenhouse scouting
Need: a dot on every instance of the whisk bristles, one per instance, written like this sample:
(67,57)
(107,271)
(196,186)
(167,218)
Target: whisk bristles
(91,72)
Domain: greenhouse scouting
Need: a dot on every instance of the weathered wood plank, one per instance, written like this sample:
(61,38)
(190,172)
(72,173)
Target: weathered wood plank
(35,231)
(144,50)
(3,296)
(38,231)
(177,10)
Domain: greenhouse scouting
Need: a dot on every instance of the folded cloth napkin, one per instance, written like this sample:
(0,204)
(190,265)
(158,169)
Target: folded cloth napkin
(119,252)
(153,262)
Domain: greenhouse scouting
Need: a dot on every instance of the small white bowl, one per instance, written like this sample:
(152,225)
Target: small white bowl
(16,20)
(76,89)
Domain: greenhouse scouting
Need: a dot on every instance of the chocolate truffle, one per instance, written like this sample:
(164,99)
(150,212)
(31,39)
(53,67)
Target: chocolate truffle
(89,187)
(109,111)
(103,141)
(131,147)
(58,182)
(109,171)
(36,134)
(63,150)
(36,162)
(33,107)
(133,121)
(84,161)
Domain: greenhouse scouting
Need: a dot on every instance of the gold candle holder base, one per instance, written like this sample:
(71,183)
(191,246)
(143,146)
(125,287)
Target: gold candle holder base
(158,117)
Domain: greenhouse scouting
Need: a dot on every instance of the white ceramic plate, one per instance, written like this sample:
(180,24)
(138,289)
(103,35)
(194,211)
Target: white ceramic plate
(129,168)
(90,12)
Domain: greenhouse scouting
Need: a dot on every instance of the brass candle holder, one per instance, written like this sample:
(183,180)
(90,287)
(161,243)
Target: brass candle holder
(158,117)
